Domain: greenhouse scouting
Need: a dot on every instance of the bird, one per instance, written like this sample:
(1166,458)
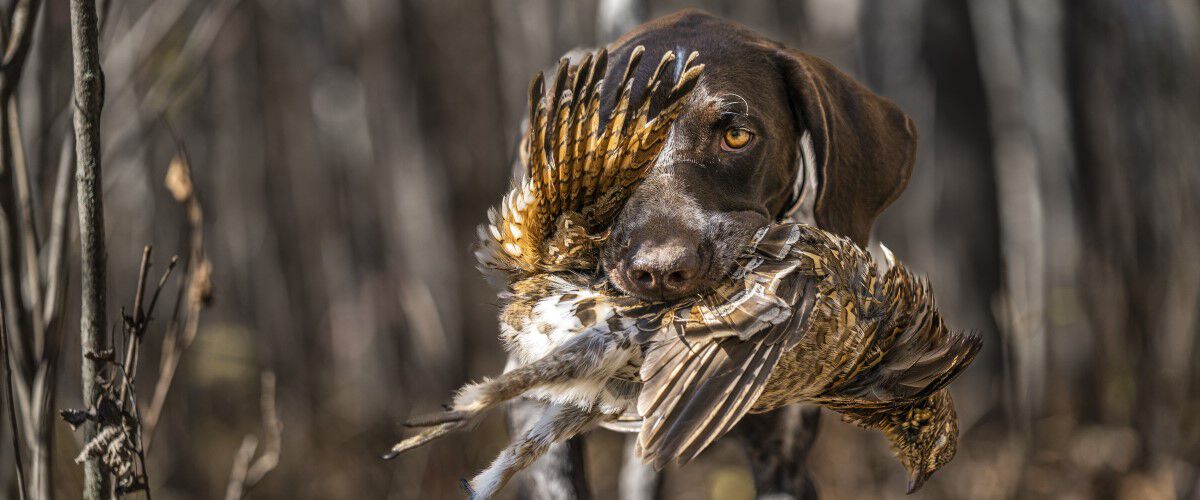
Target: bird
(804,315)
(807,317)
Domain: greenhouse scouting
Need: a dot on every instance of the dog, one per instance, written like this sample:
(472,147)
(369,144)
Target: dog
(769,134)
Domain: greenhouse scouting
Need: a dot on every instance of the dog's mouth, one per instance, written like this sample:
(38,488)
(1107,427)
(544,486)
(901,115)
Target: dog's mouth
(717,259)
(623,279)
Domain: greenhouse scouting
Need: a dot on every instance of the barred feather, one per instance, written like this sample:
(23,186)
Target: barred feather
(552,220)
(808,309)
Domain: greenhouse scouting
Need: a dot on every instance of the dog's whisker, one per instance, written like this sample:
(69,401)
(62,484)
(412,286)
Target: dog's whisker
(726,102)
(685,162)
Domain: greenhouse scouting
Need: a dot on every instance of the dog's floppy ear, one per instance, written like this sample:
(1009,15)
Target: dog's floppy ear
(864,145)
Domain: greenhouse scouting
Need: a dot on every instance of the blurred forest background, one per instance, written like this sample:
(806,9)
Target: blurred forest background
(343,152)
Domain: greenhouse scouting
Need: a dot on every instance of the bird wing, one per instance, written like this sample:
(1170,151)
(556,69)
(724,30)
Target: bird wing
(704,371)
(577,162)
(915,355)
(855,342)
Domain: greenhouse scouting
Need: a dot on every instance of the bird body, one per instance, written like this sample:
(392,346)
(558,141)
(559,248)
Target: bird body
(807,317)
(804,315)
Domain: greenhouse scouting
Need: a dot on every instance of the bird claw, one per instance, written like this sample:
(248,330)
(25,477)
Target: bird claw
(442,417)
(432,432)
(435,426)
(466,485)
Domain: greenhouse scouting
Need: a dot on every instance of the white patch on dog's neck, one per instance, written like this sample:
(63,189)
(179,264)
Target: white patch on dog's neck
(804,188)
(803,201)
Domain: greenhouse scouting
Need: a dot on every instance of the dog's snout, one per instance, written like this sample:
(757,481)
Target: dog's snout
(666,270)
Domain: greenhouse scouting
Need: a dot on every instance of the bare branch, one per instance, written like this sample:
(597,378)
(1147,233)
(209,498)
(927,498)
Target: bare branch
(12,409)
(14,156)
(57,243)
(133,325)
(119,443)
(241,467)
(16,213)
(245,475)
(89,98)
(274,429)
(30,356)
(17,49)
(193,294)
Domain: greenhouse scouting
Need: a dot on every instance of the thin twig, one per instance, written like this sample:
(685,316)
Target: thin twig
(16,212)
(139,321)
(142,317)
(274,429)
(12,408)
(162,283)
(193,293)
(29,351)
(245,475)
(241,466)
(17,50)
(141,449)
(167,365)
(57,243)
(132,339)
(135,331)
(14,157)
(120,440)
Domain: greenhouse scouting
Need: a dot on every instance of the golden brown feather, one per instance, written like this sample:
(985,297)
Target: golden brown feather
(580,169)
(805,317)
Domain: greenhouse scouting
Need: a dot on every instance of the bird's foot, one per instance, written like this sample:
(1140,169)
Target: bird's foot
(435,426)
(438,418)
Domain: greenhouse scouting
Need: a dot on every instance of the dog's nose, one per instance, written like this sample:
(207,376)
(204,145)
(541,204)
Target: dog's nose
(665,271)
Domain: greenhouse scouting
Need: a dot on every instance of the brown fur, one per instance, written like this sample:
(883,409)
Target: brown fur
(710,200)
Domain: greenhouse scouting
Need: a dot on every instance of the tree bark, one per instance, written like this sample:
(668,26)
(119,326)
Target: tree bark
(89,99)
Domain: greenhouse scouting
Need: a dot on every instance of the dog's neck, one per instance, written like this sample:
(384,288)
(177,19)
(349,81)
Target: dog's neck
(801,205)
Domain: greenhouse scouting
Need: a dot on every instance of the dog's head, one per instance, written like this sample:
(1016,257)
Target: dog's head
(768,133)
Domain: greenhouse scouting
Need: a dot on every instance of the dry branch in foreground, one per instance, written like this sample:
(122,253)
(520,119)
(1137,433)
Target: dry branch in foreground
(89,99)
(246,474)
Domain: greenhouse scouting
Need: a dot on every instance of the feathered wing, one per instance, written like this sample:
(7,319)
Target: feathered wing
(914,355)
(702,373)
(579,168)
(847,339)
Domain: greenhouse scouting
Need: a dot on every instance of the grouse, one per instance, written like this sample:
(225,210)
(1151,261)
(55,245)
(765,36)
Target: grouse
(804,316)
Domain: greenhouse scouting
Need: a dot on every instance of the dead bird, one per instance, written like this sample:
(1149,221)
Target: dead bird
(803,316)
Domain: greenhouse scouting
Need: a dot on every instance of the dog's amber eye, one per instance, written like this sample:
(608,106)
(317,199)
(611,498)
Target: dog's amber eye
(737,138)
